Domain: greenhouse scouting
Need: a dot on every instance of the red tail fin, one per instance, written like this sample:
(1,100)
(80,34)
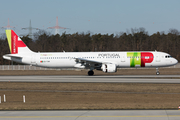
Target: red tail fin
(15,43)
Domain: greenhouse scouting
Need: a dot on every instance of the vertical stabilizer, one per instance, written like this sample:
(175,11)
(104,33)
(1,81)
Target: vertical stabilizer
(16,45)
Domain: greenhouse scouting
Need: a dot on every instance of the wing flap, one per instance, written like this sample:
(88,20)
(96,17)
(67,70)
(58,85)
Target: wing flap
(88,61)
(92,61)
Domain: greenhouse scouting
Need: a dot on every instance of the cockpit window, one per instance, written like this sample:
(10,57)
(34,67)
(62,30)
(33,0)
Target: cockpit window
(168,56)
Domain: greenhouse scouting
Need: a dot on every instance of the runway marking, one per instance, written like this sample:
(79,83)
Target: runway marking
(84,116)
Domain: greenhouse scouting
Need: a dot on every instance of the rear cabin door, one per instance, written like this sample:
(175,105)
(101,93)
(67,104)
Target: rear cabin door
(33,59)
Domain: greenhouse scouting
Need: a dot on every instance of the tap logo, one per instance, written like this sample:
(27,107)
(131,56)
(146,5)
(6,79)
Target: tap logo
(140,58)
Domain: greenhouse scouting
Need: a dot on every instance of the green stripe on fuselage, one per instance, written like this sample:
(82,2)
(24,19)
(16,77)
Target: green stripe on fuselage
(135,58)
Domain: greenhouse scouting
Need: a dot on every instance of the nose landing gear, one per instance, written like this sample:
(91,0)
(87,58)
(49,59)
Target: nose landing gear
(90,73)
(157,71)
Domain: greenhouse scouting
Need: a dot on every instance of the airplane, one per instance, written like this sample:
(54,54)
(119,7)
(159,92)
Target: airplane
(107,62)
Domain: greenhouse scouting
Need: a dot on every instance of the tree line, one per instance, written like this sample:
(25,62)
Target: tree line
(132,40)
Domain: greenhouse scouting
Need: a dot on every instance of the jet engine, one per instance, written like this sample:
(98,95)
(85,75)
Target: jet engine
(110,68)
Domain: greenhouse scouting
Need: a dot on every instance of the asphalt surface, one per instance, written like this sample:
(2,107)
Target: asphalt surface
(103,79)
(92,115)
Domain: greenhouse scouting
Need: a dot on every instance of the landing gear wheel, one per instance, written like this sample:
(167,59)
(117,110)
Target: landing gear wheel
(157,71)
(90,73)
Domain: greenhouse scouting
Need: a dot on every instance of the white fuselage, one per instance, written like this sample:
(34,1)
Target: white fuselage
(120,59)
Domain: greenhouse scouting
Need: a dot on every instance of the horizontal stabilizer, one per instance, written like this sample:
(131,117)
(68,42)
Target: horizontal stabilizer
(13,55)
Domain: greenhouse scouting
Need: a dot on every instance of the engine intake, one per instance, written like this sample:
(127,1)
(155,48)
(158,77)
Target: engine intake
(109,68)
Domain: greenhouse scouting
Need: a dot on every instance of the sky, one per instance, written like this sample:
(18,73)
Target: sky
(94,16)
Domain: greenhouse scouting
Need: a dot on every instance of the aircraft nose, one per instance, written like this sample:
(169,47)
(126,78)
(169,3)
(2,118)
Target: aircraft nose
(175,61)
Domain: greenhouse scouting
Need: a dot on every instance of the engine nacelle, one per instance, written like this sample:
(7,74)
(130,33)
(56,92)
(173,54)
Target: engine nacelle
(110,68)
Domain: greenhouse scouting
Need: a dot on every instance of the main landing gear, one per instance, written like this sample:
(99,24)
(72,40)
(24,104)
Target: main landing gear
(90,73)
(157,71)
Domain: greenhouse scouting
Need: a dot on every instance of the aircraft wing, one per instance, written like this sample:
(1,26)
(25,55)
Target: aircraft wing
(90,61)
